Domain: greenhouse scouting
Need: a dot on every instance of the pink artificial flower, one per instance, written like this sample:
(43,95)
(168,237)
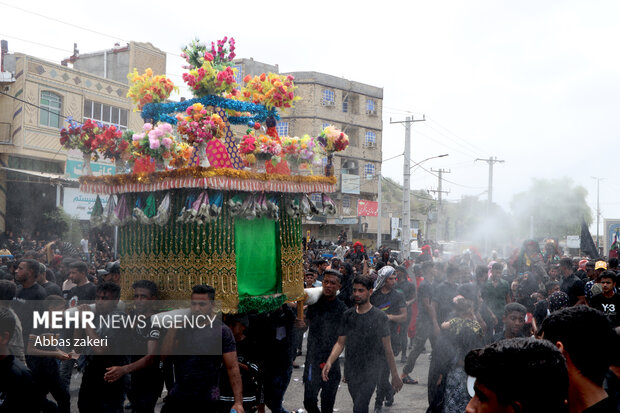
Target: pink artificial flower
(154,143)
(209,57)
(148,126)
(137,136)
(166,127)
(167,142)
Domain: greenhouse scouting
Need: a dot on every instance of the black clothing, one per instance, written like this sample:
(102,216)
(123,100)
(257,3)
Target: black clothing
(96,394)
(52,289)
(443,295)
(606,405)
(16,384)
(147,383)
(425,290)
(609,306)
(364,355)
(573,287)
(250,378)
(391,303)
(77,294)
(324,320)
(36,292)
(197,377)
(364,346)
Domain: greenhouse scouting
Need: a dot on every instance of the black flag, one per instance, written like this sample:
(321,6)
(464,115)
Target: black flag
(586,244)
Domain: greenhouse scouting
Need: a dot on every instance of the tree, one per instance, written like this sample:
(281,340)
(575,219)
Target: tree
(554,207)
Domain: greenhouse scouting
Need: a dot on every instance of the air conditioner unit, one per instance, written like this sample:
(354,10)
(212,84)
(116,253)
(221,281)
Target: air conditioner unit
(371,144)
(371,112)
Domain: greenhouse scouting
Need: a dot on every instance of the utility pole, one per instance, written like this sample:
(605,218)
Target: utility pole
(379,212)
(406,231)
(490,161)
(598,208)
(439,192)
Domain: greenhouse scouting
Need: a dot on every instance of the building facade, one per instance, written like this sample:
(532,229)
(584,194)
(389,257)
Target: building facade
(356,109)
(38,97)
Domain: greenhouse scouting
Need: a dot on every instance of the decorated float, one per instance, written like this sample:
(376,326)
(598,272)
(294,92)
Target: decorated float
(194,204)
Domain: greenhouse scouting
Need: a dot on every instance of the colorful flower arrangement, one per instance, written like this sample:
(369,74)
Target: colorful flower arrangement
(272,90)
(210,71)
(115,143)
(299,150)
(156,144)
(333,140)
(85,137)
(259,148)
(198,125)
(147,88)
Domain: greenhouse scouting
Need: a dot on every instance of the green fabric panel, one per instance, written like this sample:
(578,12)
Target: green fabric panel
(255,250)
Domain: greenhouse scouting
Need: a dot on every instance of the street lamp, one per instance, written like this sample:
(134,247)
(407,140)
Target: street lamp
(406,232)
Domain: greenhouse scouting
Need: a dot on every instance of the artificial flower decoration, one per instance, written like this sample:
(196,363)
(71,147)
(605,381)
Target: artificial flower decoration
(272,90)
(87,137)
(147,88)
(260,148)
(333,140)
(156,143)
(210,70)
(198,125)
(299,150)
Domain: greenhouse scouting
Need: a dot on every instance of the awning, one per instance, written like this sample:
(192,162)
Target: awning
(41,177)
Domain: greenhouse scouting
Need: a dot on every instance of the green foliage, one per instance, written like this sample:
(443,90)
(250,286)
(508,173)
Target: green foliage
(556,207)
(55,221)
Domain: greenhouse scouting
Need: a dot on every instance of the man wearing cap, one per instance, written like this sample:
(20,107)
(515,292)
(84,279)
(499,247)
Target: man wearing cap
(112,273)
(599,267)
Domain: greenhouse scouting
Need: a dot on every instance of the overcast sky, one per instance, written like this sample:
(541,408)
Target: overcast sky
(535,83)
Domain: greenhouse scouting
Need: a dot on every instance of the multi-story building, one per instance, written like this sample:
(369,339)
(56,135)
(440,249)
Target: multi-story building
(356,109)
(38,96)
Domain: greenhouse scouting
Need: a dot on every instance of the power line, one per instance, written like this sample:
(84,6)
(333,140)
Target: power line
(37,43)
(76,26)
(477,148)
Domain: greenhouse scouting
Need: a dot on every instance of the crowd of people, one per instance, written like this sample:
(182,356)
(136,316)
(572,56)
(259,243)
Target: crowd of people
(536,332)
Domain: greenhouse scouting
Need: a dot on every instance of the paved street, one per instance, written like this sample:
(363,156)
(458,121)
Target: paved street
(411,399)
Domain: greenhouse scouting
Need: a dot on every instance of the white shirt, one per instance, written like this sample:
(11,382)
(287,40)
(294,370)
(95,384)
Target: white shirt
(84,244)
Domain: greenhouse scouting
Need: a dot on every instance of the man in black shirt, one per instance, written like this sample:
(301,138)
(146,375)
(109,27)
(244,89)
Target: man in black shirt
(28,295)
(572,285)
(16,382)
(50,287)
(365,332)
(84,290)
(146,377)
(608,301)
(392,303)
(26,275)
(408,289)
(427,326)
(323,319)
(576,331)
(96,394)
(196,372)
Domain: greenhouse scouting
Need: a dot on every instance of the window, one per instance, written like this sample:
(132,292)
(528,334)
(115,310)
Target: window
(346,202)
(316,199)
(345,104)
(329,98)
(370,106)
(369,170)
(371,139)
(282,128)
(107,114)
(49,114)
(239,75)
